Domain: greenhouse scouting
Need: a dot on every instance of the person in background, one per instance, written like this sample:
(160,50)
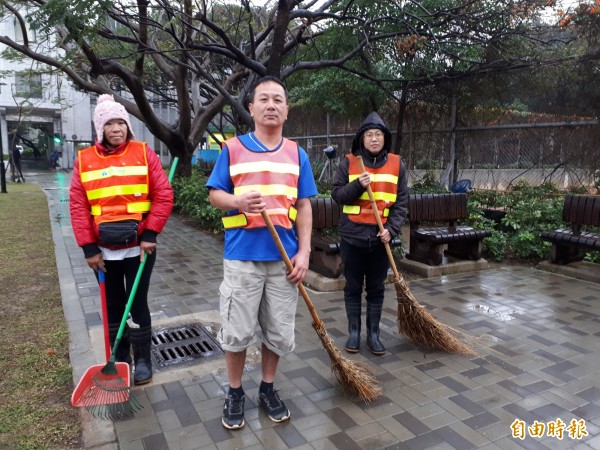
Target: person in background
(16,157)
(362,250)
(54,159)
(120,200)
(256,172)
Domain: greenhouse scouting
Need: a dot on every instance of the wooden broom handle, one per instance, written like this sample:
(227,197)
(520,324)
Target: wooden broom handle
(290,267)
(388,250)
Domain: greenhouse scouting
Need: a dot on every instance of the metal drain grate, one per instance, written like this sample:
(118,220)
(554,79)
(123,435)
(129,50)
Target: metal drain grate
(185,343)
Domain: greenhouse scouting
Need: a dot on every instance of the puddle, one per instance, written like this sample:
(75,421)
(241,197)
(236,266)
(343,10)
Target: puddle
(490,312)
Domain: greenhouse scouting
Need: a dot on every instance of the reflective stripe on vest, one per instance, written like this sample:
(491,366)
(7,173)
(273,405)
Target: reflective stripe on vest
(135,207)
(116,185)
(274,174)
(355,209)
(241,220)
(384,184)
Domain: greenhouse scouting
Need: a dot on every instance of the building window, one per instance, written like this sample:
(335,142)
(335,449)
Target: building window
(31,34)
(28,85)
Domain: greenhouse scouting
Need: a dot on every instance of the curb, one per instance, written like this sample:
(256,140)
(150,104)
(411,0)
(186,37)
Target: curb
(95,433)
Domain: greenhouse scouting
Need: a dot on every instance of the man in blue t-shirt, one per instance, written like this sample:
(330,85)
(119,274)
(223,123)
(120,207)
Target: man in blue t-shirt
(256,172)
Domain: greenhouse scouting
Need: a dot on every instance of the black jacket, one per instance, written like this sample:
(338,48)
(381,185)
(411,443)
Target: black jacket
(344,193)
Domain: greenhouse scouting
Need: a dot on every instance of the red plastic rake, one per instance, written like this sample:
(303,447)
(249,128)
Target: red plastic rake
(105,389)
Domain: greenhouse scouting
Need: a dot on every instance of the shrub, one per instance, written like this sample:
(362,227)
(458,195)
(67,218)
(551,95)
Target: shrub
(191,200)
(324,188)
(495,245)
(593,257)
(529,210)
(429,184)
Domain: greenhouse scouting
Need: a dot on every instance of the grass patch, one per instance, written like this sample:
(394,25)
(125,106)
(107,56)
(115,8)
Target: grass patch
(36,381)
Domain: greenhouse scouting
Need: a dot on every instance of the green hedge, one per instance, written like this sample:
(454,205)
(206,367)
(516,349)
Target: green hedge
(191,200)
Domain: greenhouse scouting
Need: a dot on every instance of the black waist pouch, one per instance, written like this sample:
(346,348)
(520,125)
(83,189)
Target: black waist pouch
(122,233)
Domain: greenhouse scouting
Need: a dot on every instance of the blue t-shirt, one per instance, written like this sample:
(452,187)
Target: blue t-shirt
(256,244)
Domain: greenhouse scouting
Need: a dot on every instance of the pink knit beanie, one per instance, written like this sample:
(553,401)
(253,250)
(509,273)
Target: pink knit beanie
(107,109)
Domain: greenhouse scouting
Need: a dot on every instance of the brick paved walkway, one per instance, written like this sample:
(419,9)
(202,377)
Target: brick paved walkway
(538,341)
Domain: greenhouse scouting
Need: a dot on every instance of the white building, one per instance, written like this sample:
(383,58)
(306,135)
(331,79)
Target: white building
(38,105)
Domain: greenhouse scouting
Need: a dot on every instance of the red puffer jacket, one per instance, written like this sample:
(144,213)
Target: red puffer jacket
(160,193)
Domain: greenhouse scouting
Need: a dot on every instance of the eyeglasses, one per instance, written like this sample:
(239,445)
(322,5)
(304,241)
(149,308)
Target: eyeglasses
(374,135)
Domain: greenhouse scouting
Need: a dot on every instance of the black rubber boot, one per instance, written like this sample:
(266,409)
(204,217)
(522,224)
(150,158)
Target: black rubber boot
(373,318)
(124,349)
(353,313)
(141,341)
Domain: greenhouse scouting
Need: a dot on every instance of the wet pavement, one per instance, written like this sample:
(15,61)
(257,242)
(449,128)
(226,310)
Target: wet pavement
(534,384)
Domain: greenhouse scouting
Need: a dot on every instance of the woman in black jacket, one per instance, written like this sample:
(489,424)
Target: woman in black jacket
(362,249)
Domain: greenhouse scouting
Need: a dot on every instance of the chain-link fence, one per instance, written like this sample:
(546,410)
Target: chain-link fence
(566,155)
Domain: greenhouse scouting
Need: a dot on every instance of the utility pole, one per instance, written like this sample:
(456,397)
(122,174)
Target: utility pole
(3,169)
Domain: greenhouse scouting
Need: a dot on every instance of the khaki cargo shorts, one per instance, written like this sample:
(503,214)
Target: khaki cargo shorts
(257,302)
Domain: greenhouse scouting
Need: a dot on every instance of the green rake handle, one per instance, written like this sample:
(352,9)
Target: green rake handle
(138,276)
(136,282)
(173,167)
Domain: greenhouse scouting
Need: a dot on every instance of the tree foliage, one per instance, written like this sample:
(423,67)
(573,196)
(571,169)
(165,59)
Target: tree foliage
(200,58)
(435,51)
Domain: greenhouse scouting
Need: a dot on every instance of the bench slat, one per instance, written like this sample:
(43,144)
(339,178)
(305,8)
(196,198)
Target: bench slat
(569,208)
(594,210)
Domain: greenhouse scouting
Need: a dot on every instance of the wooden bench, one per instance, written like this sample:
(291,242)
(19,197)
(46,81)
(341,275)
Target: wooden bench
(443,212)
(570,244)
(325,256)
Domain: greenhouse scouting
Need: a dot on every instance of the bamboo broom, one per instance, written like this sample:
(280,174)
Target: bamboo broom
(354,378)
(414,321)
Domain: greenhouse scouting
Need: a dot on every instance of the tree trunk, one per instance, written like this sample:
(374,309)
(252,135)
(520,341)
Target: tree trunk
(183,149)
(282,20)
(184,166)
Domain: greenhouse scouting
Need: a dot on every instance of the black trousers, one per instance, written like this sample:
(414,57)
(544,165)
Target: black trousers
(119,279)
(364,265)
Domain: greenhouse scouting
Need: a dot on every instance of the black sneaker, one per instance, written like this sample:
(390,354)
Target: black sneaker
(273,406)
(233,412)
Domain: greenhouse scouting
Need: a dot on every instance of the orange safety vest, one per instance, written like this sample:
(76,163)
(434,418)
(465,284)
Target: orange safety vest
(274,174)
(384,184)
(116,185)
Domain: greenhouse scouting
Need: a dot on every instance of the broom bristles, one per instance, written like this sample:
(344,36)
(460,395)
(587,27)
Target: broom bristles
(354,378)
(418,325)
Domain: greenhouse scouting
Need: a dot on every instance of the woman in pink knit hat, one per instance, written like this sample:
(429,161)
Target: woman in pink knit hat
(120,201)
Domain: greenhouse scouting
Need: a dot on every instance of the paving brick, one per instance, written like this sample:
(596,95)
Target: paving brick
(290,435)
